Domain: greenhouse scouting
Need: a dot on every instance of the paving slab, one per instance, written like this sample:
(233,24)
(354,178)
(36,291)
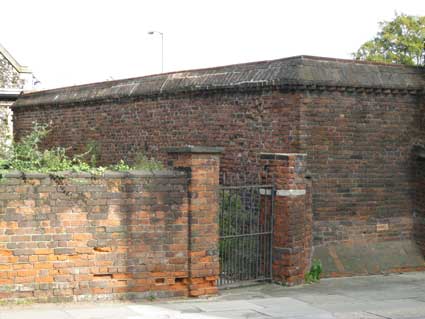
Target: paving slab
(325,299)
(236,314)
(411,313)
(100,312)
(276,307)
(386,293)
(183,307)
(228,305)
(316,316)
(373,306)
(159,312)
(356,315)
(34,314)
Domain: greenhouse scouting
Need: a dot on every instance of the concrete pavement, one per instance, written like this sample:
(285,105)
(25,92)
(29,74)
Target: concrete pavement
(400,296)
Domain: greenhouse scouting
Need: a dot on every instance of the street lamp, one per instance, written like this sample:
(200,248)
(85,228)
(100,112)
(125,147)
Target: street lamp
(162,47)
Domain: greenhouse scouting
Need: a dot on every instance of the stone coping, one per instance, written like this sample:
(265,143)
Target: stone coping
(294,73)
(195,149)
(107,174)
(9,94)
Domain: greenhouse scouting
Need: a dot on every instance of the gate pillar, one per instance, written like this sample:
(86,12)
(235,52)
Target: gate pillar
(292,231)
(202,166)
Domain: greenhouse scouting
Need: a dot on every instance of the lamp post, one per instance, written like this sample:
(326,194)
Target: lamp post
(162,47)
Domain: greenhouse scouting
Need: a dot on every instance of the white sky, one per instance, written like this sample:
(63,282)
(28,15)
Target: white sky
(67,42)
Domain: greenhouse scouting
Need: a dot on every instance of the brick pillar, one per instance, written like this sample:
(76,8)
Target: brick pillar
(202,165)
(292,231)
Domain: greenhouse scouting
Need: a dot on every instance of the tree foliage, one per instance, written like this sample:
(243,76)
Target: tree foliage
(400,41)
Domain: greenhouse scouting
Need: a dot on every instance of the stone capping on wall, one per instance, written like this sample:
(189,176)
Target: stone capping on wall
(7,94)
(296,73)
(195,149)
(107,174)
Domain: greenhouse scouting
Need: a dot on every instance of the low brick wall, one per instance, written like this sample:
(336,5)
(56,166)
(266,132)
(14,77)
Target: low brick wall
(122,235)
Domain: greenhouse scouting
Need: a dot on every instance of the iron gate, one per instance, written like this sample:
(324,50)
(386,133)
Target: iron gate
(246,226)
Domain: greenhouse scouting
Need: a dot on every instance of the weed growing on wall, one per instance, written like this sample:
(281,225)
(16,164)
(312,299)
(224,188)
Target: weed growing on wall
(27,156)
(315,272)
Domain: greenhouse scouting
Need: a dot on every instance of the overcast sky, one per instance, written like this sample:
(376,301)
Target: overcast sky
(68,42)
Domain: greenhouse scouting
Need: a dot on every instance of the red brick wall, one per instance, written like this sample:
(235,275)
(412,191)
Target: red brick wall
(419,219)
(357,143)
(88,238)
(245,123)
(359,155)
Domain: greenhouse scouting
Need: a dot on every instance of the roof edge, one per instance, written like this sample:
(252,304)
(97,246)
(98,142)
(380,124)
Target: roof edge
(293,73)
(295,57)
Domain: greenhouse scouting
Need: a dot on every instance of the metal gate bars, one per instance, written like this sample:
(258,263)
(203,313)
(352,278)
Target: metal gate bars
(246,227)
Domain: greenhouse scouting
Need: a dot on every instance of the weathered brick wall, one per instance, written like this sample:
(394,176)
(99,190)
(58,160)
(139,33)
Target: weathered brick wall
(244,123)
(418,170)
(359,148)
(419,213)
(124,235)
(357,145)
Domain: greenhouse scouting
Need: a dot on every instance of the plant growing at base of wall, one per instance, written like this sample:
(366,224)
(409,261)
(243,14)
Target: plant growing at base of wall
(316,270)
(27,156)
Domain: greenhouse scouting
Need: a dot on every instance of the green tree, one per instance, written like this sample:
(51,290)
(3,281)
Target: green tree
(400,41)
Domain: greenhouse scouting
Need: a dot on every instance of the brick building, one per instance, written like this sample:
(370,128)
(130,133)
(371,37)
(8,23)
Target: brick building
(13,79)
(358,124)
